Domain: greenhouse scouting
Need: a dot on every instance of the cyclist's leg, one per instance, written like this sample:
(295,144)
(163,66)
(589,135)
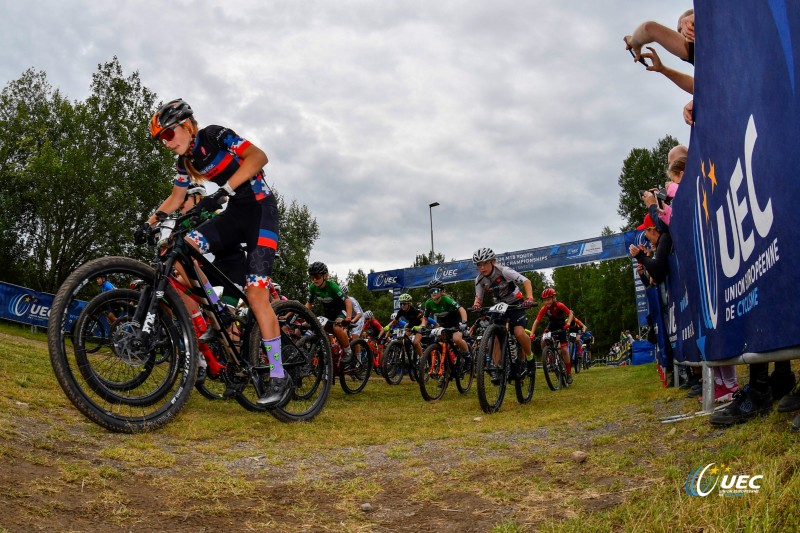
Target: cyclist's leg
(341,335)
(565,357)
(518,323)
(417,342)
(460,343)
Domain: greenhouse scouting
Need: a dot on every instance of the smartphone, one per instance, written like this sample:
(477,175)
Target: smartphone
(642,60)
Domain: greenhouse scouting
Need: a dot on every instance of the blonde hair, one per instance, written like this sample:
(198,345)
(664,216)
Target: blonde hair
(192,128)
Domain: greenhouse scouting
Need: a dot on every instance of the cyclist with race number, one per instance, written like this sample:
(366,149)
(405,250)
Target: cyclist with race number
(503,283)
(560,317)
(412,317)
(236,165)
(447,313)
(337,307)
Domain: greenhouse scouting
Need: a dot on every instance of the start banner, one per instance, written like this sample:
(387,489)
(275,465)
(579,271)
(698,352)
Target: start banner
(557,255)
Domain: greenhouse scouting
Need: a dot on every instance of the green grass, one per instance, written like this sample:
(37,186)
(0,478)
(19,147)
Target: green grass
(420,465)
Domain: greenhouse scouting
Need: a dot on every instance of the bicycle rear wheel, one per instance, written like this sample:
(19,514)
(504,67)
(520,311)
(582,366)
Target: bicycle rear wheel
(466,370)
(354,378)
(550,367)
(492,375)
(433,373)
(101,371)
(306,356)
(392,362)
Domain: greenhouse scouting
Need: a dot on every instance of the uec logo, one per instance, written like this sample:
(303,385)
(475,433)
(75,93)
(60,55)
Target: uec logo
(383,279)
(703,480)
(444,273)
(26,305)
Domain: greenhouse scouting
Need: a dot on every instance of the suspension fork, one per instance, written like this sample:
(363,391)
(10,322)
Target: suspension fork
(146,316)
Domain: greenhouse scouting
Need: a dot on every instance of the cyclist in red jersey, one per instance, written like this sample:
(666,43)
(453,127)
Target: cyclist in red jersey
(372,328)
(560,320)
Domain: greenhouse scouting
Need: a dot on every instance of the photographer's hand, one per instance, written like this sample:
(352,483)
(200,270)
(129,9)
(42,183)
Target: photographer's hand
(657,65)
(648,198)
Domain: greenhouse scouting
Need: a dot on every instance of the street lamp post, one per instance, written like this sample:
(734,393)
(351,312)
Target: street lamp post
(430,214)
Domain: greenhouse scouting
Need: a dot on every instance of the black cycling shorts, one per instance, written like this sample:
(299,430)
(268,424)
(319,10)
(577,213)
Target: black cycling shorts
(254,223)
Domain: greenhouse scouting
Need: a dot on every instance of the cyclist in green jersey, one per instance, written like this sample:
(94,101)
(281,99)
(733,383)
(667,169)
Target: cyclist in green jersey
(411,316)
(337,307)
(447,313)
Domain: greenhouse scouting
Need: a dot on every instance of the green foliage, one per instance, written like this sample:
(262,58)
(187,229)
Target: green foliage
(298,233)
(77,178)
(602,296)
(379,302)
(82,174)
(425,260)
(642,169)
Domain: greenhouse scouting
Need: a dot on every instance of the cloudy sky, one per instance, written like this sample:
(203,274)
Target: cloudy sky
(515,116)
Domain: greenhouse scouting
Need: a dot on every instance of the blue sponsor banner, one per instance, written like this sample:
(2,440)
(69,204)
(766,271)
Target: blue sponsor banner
(390,279)
(734,222)
(641,298)
(27,306)
(573,253)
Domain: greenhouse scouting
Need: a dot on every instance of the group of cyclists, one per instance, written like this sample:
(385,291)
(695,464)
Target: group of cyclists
(348,322)
(235,165)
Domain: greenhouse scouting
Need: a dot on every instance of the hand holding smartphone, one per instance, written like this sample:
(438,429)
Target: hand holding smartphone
(641,59)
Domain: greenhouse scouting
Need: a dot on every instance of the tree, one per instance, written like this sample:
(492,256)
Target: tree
(379,302)
(298,233)
(601,294)
(643,169)
(85,174)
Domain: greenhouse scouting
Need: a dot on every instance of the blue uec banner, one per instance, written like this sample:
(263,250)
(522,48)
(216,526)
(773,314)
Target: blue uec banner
(573,253)
(734,219)
(27,306)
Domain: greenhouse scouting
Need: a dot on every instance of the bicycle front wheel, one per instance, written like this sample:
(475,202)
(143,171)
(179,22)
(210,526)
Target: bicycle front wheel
(492,369)
(117,376)
(392,363)
(354,378)
(433,373)
(550,368)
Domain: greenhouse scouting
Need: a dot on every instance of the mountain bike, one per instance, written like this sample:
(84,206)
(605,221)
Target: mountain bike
(375,347)
(587,356)
(555,372)
(500,362)
(138,374)
(354,375)
(440,362)
(400,358)
(587,339)
(572,350)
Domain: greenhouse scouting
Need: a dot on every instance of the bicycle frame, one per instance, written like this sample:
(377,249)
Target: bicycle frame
(193,261)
